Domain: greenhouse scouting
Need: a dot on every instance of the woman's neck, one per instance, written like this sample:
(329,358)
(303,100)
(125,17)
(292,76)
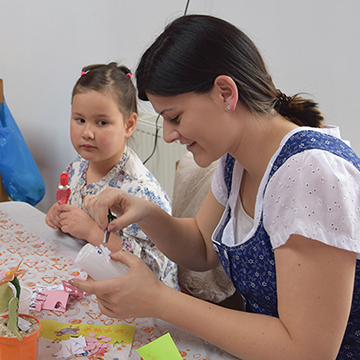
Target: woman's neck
(260,141)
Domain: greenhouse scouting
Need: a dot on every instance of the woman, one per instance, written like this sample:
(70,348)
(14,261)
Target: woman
(281,216)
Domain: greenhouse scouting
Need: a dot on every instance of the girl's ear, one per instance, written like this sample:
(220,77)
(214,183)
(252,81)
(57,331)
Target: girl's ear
(228,91)
(130,124)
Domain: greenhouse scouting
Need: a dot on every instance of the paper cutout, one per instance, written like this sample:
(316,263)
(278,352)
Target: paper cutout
(71,347)
(163,348)
(82,346)
(72,290)
(13,317)
(94,346)
(55,298)
(6,294)
(119,334)
(23,324)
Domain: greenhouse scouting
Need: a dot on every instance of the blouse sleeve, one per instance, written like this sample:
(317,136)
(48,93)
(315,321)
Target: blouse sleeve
(315,194)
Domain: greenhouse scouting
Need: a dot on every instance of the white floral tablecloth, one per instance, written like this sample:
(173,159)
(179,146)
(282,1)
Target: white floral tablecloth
(48,258)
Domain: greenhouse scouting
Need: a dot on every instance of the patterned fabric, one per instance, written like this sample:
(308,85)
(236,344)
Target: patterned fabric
(250,263)
(129,174)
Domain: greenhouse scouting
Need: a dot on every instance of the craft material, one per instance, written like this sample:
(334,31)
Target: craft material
(55,297)
(97,263)
(163,348)
(24,300)
(87,339)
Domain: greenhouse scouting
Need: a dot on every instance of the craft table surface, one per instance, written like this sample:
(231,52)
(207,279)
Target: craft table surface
(47,256)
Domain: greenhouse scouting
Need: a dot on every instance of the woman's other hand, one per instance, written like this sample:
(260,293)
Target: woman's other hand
(137,294)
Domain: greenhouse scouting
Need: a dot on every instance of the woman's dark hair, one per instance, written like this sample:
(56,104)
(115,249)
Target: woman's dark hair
(194,50)
(109,78)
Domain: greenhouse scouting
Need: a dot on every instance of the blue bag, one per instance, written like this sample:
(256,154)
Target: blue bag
(20,176)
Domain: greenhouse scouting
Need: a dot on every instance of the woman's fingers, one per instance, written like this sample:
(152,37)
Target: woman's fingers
(125,206)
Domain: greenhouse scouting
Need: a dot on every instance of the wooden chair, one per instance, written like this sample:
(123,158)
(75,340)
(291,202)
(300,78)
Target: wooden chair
(3,194)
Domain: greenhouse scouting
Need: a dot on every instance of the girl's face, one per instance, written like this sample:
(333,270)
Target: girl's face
(195,120)
(98,129)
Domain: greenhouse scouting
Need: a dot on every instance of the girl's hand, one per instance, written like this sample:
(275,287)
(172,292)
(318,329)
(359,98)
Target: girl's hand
(129,209)
(137,294)
(52,217)
(77,222)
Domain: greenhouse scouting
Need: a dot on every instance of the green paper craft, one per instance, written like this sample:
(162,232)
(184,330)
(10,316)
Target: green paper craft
(163,348)
(6,294)
(16,283)
(13,317)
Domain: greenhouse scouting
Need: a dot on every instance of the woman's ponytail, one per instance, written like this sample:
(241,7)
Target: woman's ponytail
(302,112)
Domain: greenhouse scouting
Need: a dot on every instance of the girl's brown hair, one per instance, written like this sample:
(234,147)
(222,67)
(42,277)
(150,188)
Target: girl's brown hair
(109,78)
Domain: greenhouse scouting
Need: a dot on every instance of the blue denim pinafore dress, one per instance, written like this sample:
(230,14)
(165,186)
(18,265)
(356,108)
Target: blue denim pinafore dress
(251,265)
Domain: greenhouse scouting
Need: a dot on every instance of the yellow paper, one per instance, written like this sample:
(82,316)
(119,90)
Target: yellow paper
(120,333)
(163,348)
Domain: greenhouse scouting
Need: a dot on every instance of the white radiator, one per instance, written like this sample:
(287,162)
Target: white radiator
(163,162)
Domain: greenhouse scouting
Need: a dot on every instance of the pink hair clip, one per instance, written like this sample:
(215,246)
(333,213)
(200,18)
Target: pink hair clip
(83,73)
(129,75)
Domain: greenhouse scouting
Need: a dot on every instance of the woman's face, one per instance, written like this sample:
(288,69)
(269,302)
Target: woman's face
(197,121)
(98,128)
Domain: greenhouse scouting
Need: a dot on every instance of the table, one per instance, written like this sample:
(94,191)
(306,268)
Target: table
(48,257)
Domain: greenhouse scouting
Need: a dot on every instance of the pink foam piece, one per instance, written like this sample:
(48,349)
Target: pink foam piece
(107,339)
(90,347)
(55,300)
(92,334)
(96,350)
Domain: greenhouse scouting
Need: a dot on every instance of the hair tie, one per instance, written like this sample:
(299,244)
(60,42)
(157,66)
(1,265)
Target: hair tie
(129,75)
(282,101)
(83,73)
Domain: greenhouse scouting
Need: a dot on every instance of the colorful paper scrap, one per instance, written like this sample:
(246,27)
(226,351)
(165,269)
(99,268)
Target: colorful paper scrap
(119,334)
(163,348)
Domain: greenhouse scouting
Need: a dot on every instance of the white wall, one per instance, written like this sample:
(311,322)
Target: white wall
(309,46)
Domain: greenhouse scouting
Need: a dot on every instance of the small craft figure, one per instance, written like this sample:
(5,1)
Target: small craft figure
(10,302)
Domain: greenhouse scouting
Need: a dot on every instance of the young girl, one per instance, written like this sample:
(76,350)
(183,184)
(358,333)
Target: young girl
(104,115)
(282,215)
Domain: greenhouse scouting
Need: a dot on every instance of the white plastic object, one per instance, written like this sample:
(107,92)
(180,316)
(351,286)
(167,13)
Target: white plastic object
(97,263)
(25,295)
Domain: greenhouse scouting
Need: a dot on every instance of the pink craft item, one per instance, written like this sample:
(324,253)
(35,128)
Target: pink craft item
(55,300)
(72,290)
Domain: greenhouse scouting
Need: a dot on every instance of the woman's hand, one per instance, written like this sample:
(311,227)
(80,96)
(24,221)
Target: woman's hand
(129,209)
(137,294)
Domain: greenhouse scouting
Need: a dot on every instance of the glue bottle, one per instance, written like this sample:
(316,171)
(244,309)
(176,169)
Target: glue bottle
(63,190)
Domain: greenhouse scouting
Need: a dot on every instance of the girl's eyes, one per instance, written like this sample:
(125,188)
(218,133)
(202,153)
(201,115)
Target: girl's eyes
(100,122)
